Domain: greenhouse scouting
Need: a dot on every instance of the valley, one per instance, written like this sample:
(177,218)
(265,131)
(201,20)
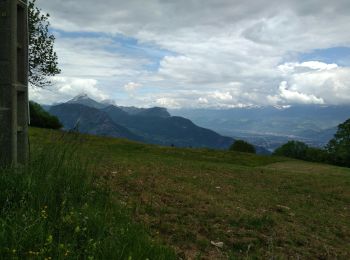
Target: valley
(270,127)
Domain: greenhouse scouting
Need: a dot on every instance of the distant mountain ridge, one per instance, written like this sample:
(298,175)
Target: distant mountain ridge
(270,126)
(90,120)
(84,99)
(157,126)
(151,125)
(265,127)
(153,111)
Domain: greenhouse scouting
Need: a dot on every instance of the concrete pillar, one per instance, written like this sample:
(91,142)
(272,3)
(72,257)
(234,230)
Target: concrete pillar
(13,82)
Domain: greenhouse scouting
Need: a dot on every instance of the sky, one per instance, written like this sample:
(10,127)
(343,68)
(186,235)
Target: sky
(200,53)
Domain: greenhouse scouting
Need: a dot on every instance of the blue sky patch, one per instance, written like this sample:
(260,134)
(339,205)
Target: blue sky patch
(126,46)
(338,55)
(73,35)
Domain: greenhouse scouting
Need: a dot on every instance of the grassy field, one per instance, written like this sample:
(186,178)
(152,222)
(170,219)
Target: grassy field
(191,200)
(59,208)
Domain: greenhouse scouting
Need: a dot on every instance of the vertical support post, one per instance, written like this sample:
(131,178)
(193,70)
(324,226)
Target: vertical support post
(13,82)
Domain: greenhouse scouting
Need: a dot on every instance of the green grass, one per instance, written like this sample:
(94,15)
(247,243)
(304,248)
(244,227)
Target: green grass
(57,208)
(258,206)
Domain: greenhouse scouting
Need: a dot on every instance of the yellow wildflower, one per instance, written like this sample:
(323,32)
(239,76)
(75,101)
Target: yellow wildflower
(49,239)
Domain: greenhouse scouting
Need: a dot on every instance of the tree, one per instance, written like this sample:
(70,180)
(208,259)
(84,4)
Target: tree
(40,118)
(42,57)
(293,149)
(316,155)
(339,147)
(242,146)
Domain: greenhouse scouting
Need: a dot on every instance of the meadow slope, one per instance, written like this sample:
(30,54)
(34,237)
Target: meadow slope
(257,206)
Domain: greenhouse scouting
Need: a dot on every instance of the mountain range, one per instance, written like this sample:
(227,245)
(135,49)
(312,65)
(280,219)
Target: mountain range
(90,120)
(150,125)
(265,127)
(271,127)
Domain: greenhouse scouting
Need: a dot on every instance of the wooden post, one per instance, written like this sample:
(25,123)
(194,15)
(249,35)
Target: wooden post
(13,82)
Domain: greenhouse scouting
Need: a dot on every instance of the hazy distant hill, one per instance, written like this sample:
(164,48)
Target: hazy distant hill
(90,120)
(157,126)
(153,111)
(152,125)
(85,100)
(271,126)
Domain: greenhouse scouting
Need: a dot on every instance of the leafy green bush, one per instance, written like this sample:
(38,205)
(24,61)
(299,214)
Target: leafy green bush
(293,149)
(316,155)
(301,151)
(56,208)
(40,118)
(339,147)
(242,146)
(337,151)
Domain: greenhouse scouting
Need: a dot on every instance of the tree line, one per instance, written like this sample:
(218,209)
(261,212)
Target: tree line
(337,151)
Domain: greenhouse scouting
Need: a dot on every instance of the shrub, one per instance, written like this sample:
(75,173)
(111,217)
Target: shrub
(339,147)
(293,149)
(41,118)
(316,155)
(242,146)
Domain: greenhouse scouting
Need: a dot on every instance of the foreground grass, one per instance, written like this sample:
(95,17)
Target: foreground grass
(259,207)
(56,208)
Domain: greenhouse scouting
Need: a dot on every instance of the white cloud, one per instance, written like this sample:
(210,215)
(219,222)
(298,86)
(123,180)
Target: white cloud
(224,96)
(167,102)
(290,96)
(93,57)
(293,67)
(64,89)
(202,100)
(320,66)
(225,52)
(313,82)
(131,86)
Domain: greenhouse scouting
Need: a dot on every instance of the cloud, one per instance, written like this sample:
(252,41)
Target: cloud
(64,89)
(95,57)
(167,102)
(289,96)
(313,83)
(202,100)
(131,86)
(208,46)
(307,66)
(224,96)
